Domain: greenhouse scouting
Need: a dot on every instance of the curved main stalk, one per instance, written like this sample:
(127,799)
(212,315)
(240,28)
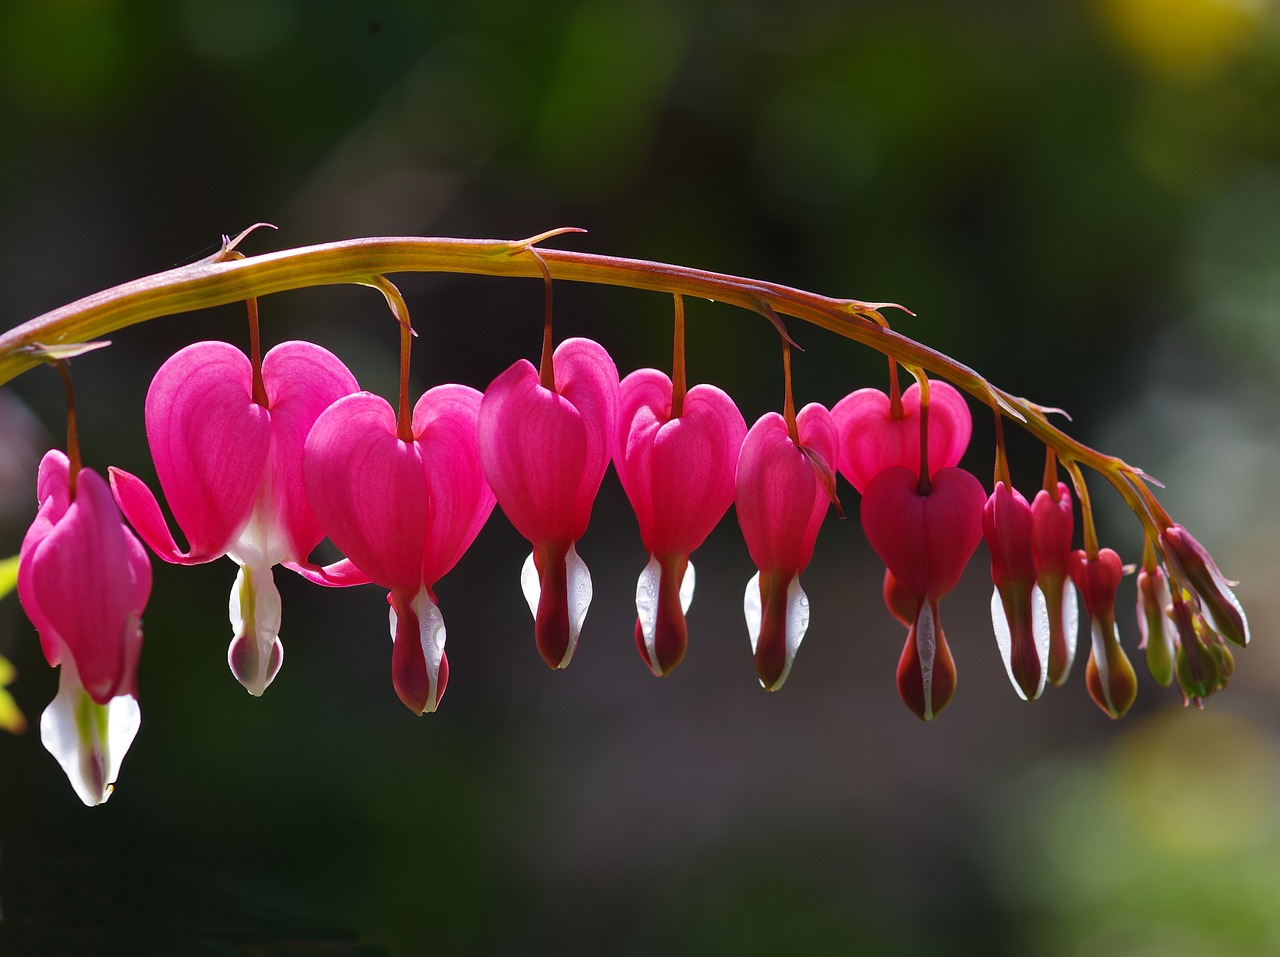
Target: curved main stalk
(224,278)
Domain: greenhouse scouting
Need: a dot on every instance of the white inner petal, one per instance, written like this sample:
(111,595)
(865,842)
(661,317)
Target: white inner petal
(90,750)
(254,610)
(1070,619)
(529,584)
(1039,631)
(647,587)
(797,620)
(1100,660)
(579,586)
(926,648)
(751,610)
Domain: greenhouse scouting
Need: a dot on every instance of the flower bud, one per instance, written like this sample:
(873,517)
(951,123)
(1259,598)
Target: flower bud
(1154,625)
(1109,675)
(1052,525)
(1195,565)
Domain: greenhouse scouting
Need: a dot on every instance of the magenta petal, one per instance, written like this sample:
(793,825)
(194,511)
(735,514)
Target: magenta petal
(90,584)
(460,500)
(53,494)
(871,441)
(366,487)
(780,501)
(143,512)
(678,473)
(924,540)
(302,380)
(588,378)
(209,442)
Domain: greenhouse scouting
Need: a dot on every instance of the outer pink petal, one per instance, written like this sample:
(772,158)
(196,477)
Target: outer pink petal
(780,502)
(209,442)
(644,406)
(588,378)
(924,540)
(694,466)
(53,494)
(366,488)
(678,473)
(533,447)
(302,380)
(459,498)
(870,441)
(143,511)
(91,583)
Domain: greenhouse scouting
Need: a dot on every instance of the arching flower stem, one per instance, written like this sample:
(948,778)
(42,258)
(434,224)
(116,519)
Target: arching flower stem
(222,278)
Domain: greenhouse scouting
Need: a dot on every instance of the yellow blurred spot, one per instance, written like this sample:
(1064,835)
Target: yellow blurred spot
(1197,784)
(8,575)
(1183,39)
(11,719)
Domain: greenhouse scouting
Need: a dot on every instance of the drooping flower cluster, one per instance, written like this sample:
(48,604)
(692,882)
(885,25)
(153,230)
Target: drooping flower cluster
(260,460)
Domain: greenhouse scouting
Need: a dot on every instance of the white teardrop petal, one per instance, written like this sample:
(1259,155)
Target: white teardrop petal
(89,740)
(647,601)
(1070,619)
(927,649)
(578,580)
(530,585)
(751,610)
(686,588)
(1040,632)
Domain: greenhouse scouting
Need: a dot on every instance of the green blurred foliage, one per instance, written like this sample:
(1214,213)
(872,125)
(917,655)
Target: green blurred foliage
(1077,199)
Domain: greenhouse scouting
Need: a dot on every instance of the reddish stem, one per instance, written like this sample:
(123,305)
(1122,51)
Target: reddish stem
(73,438)
(678,384)
(255,353)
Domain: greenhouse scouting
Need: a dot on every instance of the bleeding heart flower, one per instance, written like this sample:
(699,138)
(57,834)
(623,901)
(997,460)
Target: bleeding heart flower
(231,470)
(403,512)
(1018,610)
(925,539)
(678,471)
(83,580)
(1052,525)
(544,454)
(873,439)
(783,490)
(1109,675)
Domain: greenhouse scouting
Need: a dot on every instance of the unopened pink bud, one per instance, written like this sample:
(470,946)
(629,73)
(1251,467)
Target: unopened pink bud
(1196,566)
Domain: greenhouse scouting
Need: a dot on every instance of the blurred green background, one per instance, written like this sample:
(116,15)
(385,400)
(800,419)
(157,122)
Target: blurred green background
(1081,200)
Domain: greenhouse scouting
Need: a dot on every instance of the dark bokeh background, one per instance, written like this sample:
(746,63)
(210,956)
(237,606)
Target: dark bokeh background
(1081,200)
